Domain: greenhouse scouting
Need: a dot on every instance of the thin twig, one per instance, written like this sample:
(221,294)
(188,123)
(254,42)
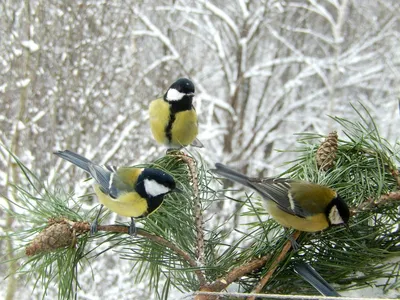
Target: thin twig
(382,200)
(393,196)
(274,265)
(396,175)
(222,283)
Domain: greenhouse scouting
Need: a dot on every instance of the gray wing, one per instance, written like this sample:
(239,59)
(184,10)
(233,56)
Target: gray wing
(106,178)
(104,175)
(278,190)
(271,189)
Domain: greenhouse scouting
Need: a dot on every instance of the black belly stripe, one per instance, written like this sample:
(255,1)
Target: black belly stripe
(174,108)
(168,128)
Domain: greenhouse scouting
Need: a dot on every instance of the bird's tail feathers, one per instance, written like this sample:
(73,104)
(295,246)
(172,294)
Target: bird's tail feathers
(74,158)
(104,176)
(309,274)
(233,175)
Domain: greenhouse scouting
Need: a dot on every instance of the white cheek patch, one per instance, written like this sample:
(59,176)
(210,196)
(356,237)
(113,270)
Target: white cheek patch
(174,95)
(154,189)
(334,216)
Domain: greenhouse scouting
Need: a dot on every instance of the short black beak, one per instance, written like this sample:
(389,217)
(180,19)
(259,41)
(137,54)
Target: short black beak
(177,190)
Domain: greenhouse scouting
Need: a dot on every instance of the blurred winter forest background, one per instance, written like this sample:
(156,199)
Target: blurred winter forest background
(79,75)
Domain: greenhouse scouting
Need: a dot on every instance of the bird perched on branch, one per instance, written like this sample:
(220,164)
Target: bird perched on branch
(128,191)
(295,204)
(173,119)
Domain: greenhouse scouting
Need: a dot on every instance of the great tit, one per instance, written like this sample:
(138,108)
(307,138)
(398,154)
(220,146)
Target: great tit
(173,119)
(295,204)
(127,191)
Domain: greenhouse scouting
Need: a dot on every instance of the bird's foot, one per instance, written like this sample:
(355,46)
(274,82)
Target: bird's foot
(295,244)
(292,238)
(93,228)
(132,231)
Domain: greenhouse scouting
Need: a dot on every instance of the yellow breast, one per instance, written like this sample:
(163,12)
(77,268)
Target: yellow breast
(185,128)
(313,223)
(159,118)
(127,205)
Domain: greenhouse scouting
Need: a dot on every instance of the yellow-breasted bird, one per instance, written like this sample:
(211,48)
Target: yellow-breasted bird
(173,119)
(295,204)
(128,191)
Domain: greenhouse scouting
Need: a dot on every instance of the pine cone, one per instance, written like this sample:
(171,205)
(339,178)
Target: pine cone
(326,153)
(57,235)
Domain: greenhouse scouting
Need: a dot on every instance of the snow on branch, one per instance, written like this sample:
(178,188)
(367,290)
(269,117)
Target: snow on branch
(153,66)
(220,103)
(223,16)
(316,8)
(322,37)
(244,9)
(156,32)
(271,121)
(117,144)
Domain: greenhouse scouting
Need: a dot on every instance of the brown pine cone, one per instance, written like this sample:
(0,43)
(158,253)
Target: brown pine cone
(56,235)
(326,153)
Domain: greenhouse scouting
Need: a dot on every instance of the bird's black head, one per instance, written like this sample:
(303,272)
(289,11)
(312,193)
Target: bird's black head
(179,90)
(154,183)
(338,212)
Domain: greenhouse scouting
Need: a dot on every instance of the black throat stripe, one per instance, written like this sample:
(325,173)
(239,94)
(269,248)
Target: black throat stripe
(153,203)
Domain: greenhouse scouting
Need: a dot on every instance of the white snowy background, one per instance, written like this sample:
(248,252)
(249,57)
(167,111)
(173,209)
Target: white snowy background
(79,75)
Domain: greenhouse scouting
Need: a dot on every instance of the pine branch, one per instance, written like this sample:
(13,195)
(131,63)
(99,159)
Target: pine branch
(392,196)
(371,203)
(259,287)
(198,255)
(77,228)
(222,283)
(197,208)
(396,175)
(365,175)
